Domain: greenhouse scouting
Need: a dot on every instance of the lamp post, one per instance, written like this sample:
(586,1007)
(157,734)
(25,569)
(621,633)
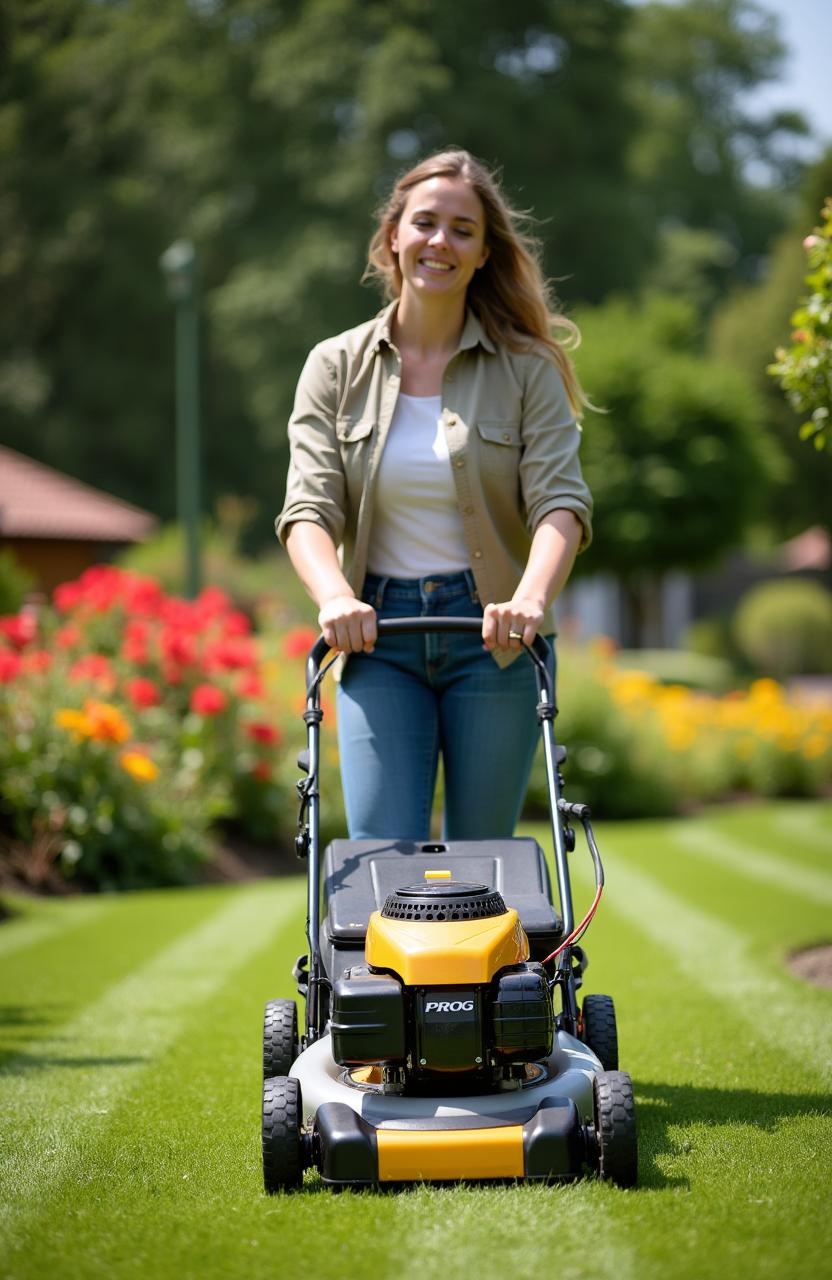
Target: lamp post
(180,268)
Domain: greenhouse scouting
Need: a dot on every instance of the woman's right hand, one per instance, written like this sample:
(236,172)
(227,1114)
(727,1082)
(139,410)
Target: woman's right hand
(348,624)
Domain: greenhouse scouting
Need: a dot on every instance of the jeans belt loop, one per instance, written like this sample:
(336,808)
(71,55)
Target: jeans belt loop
(472,586)
(380,590)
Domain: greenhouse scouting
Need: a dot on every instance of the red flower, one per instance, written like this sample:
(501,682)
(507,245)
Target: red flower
(178,646)
(235,623)
(262,771)
(250,685)
(134,648)
(38,661)
(67,596)
(10,666)
(67,637)
(297,643)
(94,667)
(208,700)
(143,692)
(260,731)
(232,653)
(19,629)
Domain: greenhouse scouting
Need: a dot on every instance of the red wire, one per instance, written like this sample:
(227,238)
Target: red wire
(576,933)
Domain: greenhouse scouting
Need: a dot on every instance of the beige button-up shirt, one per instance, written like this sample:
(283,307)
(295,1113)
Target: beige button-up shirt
(511,434)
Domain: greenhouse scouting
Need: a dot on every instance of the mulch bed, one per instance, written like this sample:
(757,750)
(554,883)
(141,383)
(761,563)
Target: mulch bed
(813,964)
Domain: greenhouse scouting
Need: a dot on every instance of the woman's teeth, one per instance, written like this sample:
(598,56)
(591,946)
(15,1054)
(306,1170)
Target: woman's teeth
(435,265)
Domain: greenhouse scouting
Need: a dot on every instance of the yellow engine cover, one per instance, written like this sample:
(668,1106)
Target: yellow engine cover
(446,952)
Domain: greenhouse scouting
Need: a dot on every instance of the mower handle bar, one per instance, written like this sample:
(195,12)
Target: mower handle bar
(538,651)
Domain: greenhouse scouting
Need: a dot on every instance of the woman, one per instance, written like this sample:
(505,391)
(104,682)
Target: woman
(438,444)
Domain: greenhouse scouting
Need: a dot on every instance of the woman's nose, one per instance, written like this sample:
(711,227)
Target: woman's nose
(438,236)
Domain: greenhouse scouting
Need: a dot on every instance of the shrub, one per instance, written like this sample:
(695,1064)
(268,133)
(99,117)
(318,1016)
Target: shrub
(15,583)
(784,628)
(131,723)
(638,747)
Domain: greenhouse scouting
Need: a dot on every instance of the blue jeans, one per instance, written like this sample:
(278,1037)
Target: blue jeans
(417,695)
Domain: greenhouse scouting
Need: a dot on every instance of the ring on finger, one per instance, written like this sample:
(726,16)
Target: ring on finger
(515,635)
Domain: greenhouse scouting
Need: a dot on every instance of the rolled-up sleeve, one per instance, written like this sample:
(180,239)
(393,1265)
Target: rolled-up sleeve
(550,469)
(315,486)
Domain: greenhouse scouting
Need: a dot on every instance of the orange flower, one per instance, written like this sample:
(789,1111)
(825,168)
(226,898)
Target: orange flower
(139,766)
(108,723)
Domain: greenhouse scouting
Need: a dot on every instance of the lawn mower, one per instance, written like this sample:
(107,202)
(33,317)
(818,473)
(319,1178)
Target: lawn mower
(443,1038)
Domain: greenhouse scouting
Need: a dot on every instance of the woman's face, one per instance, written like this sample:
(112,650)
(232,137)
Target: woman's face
(440,238)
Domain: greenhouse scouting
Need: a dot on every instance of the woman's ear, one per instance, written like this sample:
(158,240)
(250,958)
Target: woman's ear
(486,252)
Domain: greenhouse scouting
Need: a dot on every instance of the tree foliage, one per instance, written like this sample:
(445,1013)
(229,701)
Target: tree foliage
(677,461)
(804,370)
(266,129)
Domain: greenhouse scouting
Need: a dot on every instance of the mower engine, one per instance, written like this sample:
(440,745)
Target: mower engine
(448,992)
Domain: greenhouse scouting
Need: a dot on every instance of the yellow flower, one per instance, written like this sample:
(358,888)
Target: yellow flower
(815,745)
(139,766)
(75,721)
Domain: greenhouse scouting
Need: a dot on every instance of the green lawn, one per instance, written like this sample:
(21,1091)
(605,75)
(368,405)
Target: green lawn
(129,1086)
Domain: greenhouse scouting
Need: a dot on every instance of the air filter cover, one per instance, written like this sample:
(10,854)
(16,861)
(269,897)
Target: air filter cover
(444,900)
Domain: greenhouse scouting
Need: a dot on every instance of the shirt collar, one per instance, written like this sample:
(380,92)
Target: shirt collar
(472,331)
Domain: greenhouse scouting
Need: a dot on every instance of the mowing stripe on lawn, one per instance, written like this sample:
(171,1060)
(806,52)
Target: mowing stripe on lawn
(809,823)
(28,931)
(709,842)
(715,956)
(51,1115)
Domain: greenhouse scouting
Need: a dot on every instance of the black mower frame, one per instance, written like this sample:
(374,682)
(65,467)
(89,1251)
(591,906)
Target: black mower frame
(569,959)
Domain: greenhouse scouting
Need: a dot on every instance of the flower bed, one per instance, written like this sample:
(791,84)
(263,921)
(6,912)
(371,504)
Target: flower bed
(638,747)
(131,723)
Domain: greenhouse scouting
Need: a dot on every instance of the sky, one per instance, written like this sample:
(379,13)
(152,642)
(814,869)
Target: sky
(806,30)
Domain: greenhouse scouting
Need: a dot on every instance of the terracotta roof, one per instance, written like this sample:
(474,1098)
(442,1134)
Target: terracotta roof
(37,502)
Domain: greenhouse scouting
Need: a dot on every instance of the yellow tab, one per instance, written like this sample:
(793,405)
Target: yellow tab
(435,1155)
(437,875)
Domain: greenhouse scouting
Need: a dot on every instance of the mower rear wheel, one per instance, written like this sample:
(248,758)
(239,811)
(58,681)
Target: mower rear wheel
(600,1032)
(282,1140)
(280,1037)
(615,1128)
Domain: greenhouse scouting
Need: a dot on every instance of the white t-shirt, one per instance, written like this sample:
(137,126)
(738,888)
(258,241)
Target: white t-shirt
(416,527)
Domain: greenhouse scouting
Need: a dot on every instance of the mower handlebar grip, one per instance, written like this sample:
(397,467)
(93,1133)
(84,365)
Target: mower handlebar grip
(409,626)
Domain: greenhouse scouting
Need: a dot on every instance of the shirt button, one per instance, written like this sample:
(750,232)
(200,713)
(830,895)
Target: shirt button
(459,463)
(478,555)
(467,511)
(507,437)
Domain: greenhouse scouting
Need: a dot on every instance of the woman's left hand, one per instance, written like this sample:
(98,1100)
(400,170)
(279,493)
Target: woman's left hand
(506,626)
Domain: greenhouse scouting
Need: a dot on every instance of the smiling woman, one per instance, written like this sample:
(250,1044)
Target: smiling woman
(438,445)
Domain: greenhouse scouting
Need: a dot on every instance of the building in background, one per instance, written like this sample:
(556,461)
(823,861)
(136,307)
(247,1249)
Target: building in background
(56,526)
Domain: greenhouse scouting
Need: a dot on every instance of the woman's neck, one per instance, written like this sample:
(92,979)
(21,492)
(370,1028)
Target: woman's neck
(428,327)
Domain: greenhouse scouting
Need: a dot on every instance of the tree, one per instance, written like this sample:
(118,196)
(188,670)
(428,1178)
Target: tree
(745,329)
(804,370)
(702,157)
(263,130)
(676,458)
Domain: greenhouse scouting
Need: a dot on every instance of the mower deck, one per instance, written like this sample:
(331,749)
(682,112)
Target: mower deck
(353,1152)
(540,1129)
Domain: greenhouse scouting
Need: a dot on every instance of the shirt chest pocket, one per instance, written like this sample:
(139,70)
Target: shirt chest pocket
(499,445)
(354,436)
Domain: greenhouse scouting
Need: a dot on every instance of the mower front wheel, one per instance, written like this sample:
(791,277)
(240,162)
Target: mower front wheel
(615,1128)
(280,1037)
(282,1138)
(600,1032)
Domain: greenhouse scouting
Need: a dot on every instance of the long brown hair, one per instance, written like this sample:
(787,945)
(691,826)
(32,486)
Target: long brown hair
(510,296)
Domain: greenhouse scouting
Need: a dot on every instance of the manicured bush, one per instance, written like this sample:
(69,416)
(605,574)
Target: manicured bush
(784,628)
